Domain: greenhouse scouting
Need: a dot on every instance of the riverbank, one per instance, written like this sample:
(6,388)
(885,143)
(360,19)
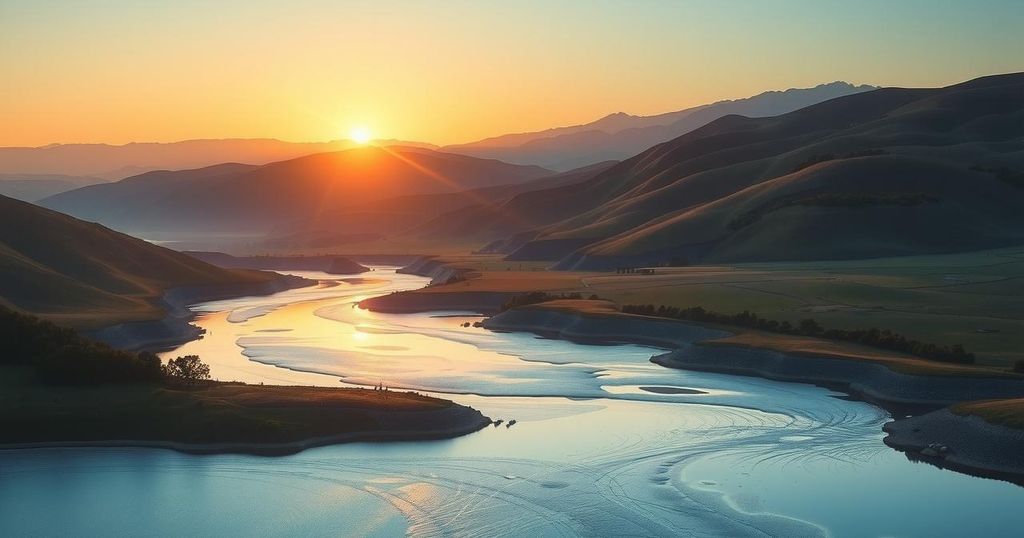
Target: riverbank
(873,377)
(887,378)
(219,417)
(971,299)
(175,327)
(475,283)
(976,446)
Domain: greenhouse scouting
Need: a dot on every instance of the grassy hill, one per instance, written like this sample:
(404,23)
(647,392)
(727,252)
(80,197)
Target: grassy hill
(83,274)
(881,173)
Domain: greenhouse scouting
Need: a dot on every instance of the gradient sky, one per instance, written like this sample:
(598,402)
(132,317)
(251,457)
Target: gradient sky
(117,71)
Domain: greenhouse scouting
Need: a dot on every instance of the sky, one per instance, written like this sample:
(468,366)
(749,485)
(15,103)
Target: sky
(117,71)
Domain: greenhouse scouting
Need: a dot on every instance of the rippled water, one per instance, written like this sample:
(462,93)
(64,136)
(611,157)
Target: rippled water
(606,443)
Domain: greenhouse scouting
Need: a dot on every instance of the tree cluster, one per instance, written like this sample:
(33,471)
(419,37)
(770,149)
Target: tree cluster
(60,355)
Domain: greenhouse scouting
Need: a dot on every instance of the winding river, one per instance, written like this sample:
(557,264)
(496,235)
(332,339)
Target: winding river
(605,444)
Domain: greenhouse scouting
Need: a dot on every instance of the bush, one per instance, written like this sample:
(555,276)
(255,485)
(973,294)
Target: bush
(1019,366)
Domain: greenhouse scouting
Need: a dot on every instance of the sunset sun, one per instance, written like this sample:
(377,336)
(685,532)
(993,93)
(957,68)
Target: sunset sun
(360,135)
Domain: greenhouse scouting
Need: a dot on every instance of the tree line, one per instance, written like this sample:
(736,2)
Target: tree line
(873,337)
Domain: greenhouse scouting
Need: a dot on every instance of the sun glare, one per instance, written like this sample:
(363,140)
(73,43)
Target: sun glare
(360,135)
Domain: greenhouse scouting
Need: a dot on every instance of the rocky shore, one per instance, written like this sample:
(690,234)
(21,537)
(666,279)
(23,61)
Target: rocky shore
(965,443)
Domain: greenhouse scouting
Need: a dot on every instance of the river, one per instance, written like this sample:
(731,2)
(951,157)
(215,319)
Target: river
(605,444)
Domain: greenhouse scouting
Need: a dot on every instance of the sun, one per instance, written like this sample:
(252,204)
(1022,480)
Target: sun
(360,135)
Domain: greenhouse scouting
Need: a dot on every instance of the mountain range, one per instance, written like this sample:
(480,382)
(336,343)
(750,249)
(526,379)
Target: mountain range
(620,135)
(108,161)
(882,172)
(887,172)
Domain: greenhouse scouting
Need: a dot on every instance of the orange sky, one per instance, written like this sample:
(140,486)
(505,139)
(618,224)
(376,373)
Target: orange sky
(117,71)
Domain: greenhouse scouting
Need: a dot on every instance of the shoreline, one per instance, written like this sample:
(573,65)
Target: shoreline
(688,350)
(970,442)
(176,328)
(466,420)
(221,417)
(970,451)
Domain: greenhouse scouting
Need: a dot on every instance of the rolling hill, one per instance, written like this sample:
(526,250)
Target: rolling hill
(336,190)
(620,135)
(887,172)
(86,275)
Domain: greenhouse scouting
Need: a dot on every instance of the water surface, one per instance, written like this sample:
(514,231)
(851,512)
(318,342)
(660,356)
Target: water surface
(605,443)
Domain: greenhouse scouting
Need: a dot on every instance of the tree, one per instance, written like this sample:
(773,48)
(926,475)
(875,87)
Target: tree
(810,327)
(189,369)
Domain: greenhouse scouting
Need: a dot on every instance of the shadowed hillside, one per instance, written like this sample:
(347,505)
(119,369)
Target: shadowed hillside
(84,274)
(516,213)
(418,219)
(311,191)
(882,173)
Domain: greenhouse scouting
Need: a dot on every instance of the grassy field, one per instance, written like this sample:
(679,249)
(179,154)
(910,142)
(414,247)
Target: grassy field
(802,345)
(1003,412)
(233,413)
(974,299)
